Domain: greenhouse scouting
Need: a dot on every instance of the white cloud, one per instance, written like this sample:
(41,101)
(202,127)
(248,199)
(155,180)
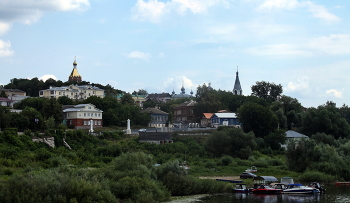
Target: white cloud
(282,4)
(4,27)
(30,11)
(138,54)
(5,49)
(178,82)
(300,85)
(154,10)
(318,11)
(278,49)
(334,92)
(335,44)
(48,76)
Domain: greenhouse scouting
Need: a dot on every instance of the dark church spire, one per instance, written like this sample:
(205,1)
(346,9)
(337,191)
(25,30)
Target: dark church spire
(237,89)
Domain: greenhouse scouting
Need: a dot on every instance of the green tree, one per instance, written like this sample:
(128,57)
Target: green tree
(127,99)
(208,101)
(231,141)
(268,91)
(257,118)
(325,119)
(64,100)
(3,94)
(288,110)
(53,109)
(36,120)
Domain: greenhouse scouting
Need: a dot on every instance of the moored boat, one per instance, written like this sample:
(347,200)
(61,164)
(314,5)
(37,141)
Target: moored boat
(264,189)
(240,188)
(298,188)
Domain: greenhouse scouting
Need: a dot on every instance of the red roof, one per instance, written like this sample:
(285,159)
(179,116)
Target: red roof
(207,115)
(5,99)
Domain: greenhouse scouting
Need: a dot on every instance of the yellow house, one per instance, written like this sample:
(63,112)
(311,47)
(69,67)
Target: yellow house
(72,92)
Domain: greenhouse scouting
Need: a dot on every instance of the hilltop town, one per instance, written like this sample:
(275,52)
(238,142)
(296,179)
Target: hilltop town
(78,141)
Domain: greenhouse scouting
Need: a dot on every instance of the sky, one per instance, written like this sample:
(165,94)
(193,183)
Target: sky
(160,45)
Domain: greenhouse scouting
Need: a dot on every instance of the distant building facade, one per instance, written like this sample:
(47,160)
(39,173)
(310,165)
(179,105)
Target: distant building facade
(225,119)
(6,102)
(182,94)
(81,115)
(206,120)
(72,92)
(185,112)
(159,118)
(159,98)
(15,95)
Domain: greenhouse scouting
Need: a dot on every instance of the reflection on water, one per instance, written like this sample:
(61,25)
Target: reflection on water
(333,195)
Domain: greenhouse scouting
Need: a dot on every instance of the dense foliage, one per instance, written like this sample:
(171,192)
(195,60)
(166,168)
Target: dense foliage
(34,85)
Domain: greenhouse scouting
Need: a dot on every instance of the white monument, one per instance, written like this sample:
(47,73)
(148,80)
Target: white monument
(128,130)
(91,128)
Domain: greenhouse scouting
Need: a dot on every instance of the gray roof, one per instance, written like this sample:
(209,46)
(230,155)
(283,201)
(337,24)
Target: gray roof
(225,115)
(182,96)
(267,178)
(79,107)
(84,87)
(293,134)
(154,111)
(160,95)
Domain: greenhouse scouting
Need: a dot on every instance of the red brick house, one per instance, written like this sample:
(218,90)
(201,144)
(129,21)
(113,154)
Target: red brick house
(81,115)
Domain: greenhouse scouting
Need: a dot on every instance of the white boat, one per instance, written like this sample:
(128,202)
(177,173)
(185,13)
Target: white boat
(298,188)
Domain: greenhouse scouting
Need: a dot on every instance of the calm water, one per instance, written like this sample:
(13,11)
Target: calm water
(333,194)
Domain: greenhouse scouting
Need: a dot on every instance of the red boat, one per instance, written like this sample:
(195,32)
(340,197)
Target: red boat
(264,189)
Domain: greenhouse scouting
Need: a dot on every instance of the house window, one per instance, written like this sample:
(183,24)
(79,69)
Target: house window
(99,122)
(84,114)
(41,92)
(52,92)
(67,114)
(84,122)
(59,93)
(93,92)
(89,107)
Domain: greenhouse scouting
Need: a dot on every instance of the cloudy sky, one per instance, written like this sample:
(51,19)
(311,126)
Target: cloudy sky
(159,45)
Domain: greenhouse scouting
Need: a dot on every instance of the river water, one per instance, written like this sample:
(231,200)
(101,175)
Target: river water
(334,194)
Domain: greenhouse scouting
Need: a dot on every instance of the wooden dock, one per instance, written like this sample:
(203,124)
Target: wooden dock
(342,183)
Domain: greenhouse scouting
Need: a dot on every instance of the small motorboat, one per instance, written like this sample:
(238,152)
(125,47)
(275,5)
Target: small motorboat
(298,188)
(264,189)
(240,188)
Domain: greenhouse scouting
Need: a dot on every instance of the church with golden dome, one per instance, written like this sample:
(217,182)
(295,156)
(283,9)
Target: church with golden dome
(75,76)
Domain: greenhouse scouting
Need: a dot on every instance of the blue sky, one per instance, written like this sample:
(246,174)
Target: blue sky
(159,45)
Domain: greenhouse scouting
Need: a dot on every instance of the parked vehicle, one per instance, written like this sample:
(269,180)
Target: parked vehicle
(298,188)
(246,175)
(253,169)
(142,130)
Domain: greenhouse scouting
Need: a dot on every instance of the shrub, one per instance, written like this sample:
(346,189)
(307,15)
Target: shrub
(312,176)
(226,160)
